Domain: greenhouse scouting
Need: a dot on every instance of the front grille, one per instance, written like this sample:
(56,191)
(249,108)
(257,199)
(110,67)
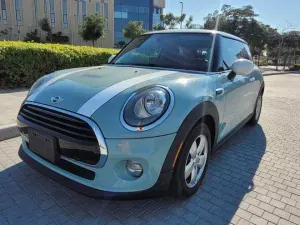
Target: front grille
(77,170)
(58,122)
(76,139)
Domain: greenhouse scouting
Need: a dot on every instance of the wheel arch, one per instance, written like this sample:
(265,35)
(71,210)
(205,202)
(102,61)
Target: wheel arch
(204,112)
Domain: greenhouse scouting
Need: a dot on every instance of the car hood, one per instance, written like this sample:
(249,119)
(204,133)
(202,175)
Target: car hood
(81,89)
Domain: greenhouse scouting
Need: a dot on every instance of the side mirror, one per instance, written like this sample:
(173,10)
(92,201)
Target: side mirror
(242,67)
(111,58)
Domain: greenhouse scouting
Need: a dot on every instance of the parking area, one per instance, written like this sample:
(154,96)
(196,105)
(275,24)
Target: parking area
(253,179)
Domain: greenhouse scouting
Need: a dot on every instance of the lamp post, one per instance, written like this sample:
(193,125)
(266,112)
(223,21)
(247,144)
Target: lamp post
(181,14)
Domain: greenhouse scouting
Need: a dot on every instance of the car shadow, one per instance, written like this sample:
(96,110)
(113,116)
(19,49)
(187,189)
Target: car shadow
(26,196)
(229,179)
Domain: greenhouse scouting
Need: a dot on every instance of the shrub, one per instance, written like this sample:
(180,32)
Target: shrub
(57,38)
(296,67)
(22,63)
(32,36)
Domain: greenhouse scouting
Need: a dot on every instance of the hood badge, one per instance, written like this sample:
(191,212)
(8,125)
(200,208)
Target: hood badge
(56,99)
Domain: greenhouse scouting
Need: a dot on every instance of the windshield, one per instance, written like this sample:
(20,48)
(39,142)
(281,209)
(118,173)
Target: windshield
(178,51)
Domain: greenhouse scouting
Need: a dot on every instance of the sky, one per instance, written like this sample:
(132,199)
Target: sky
(280,14)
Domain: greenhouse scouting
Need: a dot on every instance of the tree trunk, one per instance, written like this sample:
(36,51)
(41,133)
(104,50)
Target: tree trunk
(285,58)
(258,60)
(278,58)
(93,43)
(50,36)
(279,52)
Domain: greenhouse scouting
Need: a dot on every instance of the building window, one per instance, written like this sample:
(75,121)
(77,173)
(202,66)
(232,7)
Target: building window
(35,12)
(83,10)
(65,13)
(3,7)
(18,11)
(106,14)
(98,8)
(52,13)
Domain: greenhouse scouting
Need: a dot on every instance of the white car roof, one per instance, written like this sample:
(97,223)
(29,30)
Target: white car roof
(201,31)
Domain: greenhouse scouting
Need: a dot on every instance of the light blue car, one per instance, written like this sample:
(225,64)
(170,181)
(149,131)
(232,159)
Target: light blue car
(148,121)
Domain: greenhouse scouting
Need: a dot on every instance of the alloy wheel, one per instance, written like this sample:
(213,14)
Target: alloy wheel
(196,161)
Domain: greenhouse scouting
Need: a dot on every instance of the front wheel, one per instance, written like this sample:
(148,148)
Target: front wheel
(257,110)
(192,162)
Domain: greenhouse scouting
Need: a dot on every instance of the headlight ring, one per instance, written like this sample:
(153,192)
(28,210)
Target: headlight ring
(147,108)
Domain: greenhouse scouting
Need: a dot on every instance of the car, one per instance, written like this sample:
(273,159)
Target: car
(146,123)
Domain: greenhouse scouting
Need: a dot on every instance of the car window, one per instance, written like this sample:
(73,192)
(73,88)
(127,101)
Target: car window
(180,51)
(233,50)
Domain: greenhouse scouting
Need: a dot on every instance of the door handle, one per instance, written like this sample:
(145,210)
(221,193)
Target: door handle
(252,79)
(220,91)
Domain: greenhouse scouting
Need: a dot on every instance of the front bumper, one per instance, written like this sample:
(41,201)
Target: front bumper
(105,174)
(112,177)
(159,188)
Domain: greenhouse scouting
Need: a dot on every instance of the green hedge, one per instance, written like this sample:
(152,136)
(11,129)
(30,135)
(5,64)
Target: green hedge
(296,67)
(22,63)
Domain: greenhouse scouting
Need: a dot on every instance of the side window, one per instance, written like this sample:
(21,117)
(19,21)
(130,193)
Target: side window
(233,50)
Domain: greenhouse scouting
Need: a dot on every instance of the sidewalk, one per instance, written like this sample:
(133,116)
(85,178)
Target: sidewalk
(271,70)
(11,101)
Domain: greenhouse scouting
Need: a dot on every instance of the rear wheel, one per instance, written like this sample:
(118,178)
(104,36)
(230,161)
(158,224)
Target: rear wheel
(257,110)
(192,162)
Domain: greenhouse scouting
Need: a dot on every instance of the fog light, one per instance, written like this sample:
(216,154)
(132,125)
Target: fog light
(134,168)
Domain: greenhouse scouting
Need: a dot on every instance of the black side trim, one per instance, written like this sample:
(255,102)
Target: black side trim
(158,189)
(203,109)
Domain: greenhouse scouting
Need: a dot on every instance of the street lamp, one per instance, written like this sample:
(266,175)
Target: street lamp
(181,14)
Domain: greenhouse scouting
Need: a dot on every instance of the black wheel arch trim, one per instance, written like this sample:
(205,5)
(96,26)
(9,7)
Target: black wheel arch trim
(200,111)
(262,87)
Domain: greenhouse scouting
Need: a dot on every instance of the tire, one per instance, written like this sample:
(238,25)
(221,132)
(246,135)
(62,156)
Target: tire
(181,186)
(257,110)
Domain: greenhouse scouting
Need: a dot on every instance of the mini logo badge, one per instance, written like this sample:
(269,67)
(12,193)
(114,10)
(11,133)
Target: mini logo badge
(56,99)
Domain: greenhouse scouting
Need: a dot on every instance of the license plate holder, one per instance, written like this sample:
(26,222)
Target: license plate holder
(43,145)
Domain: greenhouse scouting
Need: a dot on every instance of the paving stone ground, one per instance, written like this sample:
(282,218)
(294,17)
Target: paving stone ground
(253,179)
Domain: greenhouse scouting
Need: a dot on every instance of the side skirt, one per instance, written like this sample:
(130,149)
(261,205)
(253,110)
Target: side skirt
(231,133)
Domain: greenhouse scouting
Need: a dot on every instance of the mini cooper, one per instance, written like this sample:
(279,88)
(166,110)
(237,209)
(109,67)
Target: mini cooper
(147,122)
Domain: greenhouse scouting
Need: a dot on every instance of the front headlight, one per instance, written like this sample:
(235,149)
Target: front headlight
(147,108)
(40,82)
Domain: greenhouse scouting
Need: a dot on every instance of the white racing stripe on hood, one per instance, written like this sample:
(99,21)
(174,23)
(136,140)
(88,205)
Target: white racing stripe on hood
(51,81)
(93,104)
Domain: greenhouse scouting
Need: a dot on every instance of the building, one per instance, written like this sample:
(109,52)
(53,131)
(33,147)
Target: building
(147,11)
(19,17)
(158,6)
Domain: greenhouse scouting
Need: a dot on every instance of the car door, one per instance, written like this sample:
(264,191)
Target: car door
(236,90)
(233,93)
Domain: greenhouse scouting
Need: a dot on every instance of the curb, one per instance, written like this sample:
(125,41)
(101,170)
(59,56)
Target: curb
(9,131)
(280,73)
